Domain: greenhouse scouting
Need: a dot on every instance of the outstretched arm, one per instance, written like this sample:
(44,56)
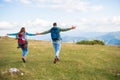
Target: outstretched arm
(66,29)
(29,34)
(45,32)
(12,34)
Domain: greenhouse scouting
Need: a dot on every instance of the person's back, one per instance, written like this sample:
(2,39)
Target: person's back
(55,33)
(22,35)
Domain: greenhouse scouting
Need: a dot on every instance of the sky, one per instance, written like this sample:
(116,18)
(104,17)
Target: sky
(39,15)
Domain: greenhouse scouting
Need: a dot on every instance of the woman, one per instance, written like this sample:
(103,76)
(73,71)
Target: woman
(22,41)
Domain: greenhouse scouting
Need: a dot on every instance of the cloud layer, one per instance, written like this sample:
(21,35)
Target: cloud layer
(7,25)
(38,15)
(66,5)
(101,25)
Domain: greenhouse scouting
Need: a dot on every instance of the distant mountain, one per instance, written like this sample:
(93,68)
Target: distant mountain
(111,38)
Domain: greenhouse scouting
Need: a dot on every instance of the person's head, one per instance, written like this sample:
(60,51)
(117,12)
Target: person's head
(54,24)
(22,29)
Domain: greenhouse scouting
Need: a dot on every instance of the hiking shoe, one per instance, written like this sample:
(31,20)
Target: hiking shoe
(18,47)
(55,60)
(23,60)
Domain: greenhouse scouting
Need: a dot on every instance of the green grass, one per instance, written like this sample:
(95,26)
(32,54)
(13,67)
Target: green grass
(77,62)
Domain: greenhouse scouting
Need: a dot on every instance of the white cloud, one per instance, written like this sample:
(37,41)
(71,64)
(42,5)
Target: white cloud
(99,25)
(74,5)
(8,0)
(116,20)
(25,1)
(84,24)
(6,25)
(71,6)
(96,8)
(37,24)
(80,6)
(66,5)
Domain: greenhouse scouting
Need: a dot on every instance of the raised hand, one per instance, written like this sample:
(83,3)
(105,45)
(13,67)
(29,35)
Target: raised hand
(37,33)
(6,34)
(73,27)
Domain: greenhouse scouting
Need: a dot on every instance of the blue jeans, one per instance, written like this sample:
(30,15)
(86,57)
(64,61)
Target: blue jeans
(24,51)
(24,48)
(57,47)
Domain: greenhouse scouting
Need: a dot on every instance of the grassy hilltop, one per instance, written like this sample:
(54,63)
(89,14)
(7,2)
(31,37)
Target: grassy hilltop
(77,62)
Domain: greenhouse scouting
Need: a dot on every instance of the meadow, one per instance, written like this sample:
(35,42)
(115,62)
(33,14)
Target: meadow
(77,62)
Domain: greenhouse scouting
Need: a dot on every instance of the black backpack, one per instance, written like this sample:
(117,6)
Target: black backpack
(55,33)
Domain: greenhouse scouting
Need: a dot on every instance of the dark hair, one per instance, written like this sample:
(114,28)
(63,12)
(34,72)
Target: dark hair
(54,24)
(22,30)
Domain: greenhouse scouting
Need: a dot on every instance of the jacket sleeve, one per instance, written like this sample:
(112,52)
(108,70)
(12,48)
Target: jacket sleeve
(12,34)
(45,32)
(29,34)
(64,29)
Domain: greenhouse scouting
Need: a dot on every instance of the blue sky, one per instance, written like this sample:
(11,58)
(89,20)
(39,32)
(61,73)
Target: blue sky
(38,15)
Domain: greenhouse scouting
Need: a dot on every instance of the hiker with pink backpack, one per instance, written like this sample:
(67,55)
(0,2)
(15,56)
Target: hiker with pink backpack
(22,41)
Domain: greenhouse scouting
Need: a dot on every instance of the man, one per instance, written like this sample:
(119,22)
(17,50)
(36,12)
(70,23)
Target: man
(56,39)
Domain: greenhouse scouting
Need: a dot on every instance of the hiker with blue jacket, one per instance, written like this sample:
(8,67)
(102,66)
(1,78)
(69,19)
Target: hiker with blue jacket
(22,41)
(56,39)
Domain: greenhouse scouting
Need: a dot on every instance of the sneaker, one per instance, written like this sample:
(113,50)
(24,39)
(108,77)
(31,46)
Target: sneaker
(23,60)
